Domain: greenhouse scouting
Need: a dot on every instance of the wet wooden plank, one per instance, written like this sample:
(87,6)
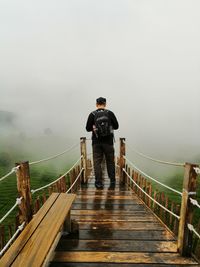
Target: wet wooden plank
(117,245)
(117,218)
(110,201)
(20,242)
(122,225)
(106,187)
(122,235)
(104,193)
(111,212)
(122,257)
(109,206)
(117,190)
(109,196)
(38,246)
(99,264)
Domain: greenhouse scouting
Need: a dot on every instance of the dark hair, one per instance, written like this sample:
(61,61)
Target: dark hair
(101,100)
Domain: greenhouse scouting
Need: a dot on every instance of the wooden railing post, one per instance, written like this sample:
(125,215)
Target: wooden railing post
(84,159)
(24,191)
(186,213)
(122,153)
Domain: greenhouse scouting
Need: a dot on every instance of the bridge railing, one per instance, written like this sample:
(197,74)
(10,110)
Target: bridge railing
(30,200)
(178,216)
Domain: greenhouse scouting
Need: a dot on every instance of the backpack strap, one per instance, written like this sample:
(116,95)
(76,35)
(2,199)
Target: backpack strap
(96,111)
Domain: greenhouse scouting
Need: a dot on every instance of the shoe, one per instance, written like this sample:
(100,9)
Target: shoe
(98,185)
(112,185)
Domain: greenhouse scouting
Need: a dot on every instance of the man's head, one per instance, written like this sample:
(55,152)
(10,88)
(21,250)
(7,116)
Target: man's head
(101,102)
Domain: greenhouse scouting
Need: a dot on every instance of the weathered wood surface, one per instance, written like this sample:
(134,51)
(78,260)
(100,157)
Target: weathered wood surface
(117,245)
(20,242)
(115,197)
(116,229)
(118,218)
(83,159)
(107,206)
(122,257)
(35,242)
(122,225)
(111,213)
(106,234)
(100,264)
(187,210)
(110,201)
(24,191)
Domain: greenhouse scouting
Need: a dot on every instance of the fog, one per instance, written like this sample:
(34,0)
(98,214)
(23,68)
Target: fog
(57,57)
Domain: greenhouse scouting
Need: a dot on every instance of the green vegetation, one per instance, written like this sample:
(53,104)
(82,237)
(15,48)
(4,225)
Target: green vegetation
(40,174)
(176,181)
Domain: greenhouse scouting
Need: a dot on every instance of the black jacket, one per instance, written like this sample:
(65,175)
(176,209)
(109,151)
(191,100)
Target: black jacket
(106,139)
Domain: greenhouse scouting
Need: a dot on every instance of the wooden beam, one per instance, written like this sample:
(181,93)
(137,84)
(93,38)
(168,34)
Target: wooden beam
(186,214)
(122,153)
(84,159)
(24,191)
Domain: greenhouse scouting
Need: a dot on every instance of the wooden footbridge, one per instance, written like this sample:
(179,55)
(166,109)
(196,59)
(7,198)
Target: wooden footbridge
(129,225)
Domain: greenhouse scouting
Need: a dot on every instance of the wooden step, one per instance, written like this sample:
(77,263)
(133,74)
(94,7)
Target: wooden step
(117,218)
(122,257)
(106,189)
(106,234)
(99,264)
(107,206)
(109,197)
(116,245)
(94,192)
(122,225)
(109,201)
(111,213)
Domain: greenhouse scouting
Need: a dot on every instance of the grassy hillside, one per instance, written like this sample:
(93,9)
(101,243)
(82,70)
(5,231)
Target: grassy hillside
(41,174)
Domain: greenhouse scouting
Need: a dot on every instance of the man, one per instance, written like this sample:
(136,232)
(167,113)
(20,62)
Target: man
(102,122)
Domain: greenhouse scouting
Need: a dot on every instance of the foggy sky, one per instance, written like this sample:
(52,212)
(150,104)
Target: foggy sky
(57,57)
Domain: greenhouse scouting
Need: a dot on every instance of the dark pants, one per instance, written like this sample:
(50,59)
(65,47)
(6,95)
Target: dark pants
(99,151)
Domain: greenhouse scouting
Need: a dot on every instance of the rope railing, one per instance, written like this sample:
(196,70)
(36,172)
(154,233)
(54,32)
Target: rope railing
(192,229)
(169,211)
(195,202)
(18,202)
(75,181)
(43,187)
(22,176)
(153,179)
(197,170)
(20,228)
(8,174)
(177,164)
(55,156)
(39,161)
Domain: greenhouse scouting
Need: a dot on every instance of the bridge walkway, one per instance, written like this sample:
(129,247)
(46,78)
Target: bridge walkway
(116,229)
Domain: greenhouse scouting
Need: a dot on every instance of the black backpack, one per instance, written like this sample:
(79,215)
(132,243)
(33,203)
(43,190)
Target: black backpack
(102,123)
